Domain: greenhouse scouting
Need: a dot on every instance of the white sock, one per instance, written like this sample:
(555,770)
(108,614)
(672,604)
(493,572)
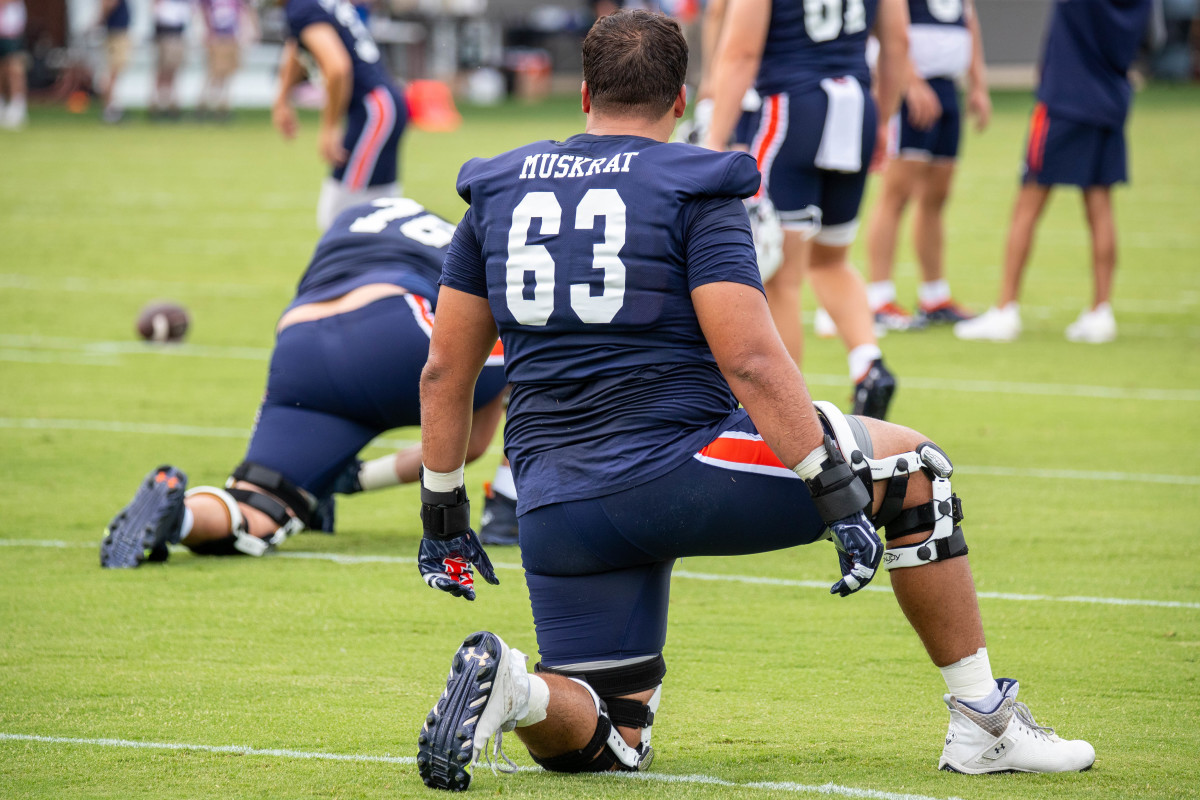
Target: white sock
(534,710)
(378,473)
(933,293)
(860,359)
(503,482)
(970,679)
(880,294)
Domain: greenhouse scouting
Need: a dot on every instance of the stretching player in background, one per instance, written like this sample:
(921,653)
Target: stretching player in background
(944,42)
(808,62)
(1077,138)
(348,356)
(364,112)
(619,272)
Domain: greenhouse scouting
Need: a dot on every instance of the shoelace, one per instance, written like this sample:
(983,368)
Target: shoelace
(491,759)
(1026,716)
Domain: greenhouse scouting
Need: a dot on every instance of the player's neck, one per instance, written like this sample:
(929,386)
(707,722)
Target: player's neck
(613,125)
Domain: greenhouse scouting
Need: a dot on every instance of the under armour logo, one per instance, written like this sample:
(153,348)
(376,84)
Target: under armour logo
(999,749)
(458,571)
(482,658)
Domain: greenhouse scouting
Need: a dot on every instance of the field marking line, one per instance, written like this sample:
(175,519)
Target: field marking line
(127,286)
(216,432)
(716,577)
(657,777)
(42,349)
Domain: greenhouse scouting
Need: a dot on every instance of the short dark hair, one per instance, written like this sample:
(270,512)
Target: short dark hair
(634,63)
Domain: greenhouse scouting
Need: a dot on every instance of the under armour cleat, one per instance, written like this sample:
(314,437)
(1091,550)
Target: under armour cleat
(484,695)
(944,313)
(892,317)
(873,394)
(154,517)
(498,523)
(1007,739)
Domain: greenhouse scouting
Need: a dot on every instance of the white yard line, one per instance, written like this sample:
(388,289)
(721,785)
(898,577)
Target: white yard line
(831,789)
(682,574)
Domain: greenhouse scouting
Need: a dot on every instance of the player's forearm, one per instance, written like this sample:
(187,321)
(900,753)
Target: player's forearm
(732,77)
(290,71)
(892,76)
(769,386)
(337,96)
(445,416)
(977,72)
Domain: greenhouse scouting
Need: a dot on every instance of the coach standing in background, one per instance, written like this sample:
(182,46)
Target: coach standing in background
(1076,137)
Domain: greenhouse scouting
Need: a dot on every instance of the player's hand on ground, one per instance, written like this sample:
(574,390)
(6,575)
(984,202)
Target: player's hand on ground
(329,144)
(979,106)
(446,564)
(924,108)
(283,117)
(859,552)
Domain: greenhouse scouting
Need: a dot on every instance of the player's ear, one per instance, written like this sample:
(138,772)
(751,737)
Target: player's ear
(680,102)
(586,98)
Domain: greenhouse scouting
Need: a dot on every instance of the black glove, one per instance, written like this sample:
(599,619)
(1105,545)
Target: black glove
(449,548)
(841,500)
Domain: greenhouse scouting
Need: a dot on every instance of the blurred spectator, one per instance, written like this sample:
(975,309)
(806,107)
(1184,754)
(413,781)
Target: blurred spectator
(114,18)
(170,20)
(224,20)
(1076,138)
(12,64)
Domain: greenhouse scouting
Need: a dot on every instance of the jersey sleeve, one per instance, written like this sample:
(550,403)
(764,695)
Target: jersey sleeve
(741,178)
(719,246)
(463,268)
(301,15)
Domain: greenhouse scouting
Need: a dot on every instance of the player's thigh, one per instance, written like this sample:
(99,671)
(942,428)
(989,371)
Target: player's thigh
(374,125)
(310,448)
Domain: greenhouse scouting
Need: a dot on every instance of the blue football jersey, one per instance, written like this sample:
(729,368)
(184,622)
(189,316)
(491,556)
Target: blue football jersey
(1088,50)
(815,39)
(391,240)
(365,58)
(587,251)
(936,12)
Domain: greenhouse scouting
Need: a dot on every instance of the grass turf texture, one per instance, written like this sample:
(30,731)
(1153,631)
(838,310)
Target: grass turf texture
(768,683)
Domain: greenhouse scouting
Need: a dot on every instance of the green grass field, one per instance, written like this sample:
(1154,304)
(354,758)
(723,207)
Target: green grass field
(307,674)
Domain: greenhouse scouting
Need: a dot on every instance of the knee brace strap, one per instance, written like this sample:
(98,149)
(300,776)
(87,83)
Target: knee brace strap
(619,680)
(945,541)
(239,541)
(604,751)
(300,502)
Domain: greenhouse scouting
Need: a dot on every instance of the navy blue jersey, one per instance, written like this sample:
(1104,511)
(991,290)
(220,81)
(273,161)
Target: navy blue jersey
(587,251)
(390,240)
(118,18)
(936,12)
(815,39)
(364,53)
(1088,50)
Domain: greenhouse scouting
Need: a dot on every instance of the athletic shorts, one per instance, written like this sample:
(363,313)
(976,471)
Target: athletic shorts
(599,570)
(819,203)
(338,382)
(373,128)
(941,140)
(1062,151)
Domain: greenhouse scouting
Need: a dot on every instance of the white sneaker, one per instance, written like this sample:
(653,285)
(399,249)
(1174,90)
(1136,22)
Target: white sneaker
(823,324)
(1094,326)
(1007,740)
(486,693)
(993,325)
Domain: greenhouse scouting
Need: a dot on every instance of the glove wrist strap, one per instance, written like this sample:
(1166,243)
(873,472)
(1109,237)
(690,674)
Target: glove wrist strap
(444,515)
(837,491)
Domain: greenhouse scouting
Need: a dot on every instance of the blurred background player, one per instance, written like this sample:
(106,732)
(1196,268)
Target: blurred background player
(1077,138)
(808,62)
(364,112)
(114,19)
(348,356)
(171,18)
(944,43)
(223,20)
(13,111)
